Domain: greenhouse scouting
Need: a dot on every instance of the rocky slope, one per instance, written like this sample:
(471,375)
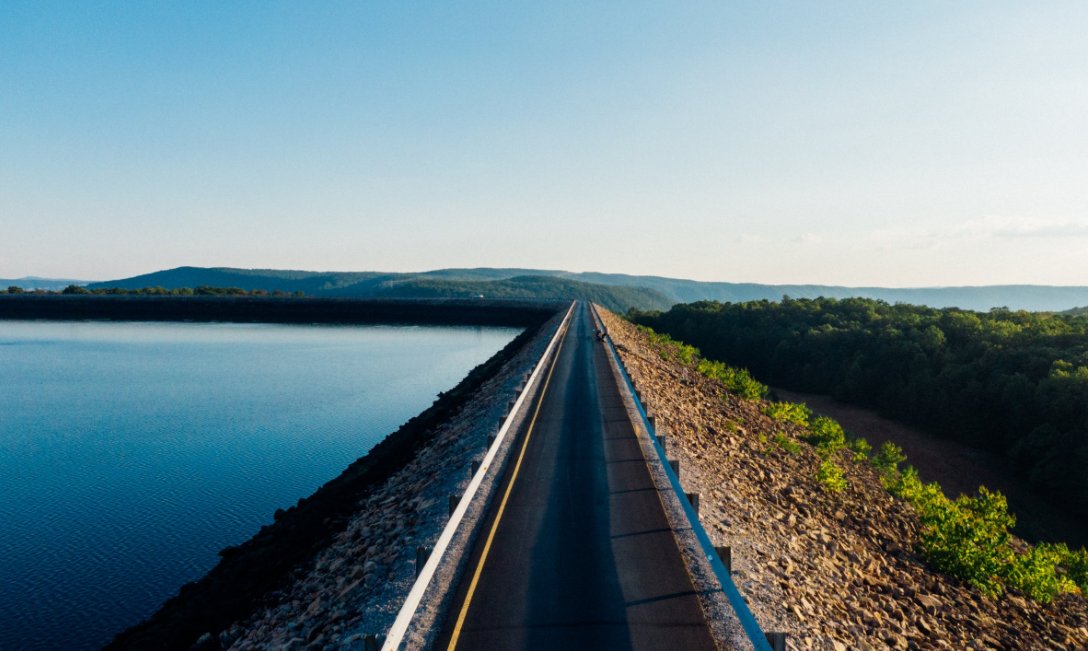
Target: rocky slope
(837,571)
(357,583)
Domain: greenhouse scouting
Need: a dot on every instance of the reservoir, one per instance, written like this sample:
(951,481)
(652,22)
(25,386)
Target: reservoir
(130,453)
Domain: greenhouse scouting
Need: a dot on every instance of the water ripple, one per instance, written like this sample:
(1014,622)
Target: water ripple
(131,453)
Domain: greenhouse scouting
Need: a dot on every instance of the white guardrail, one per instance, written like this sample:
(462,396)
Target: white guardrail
(395,636)
(752,630)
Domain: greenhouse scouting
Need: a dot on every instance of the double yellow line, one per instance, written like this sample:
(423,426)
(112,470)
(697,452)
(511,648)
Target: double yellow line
(502,505)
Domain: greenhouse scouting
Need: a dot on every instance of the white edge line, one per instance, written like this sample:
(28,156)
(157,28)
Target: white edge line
(395,636)
(752,630)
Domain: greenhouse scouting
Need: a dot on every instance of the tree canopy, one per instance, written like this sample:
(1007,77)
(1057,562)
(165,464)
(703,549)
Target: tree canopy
(1011,381)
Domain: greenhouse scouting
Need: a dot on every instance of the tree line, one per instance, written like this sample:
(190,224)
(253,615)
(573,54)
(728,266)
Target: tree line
(1012,382)
(968,537)
(202,290)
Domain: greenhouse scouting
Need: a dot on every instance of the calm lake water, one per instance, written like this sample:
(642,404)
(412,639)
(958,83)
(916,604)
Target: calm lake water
(130,453)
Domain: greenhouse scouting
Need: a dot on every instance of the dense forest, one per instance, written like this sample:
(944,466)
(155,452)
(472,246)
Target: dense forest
(1012,382)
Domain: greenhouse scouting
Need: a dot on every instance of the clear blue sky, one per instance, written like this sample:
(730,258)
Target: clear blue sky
(900,144)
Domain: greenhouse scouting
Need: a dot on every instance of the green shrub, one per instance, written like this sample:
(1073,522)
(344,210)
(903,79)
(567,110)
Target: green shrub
(735,380)
(906,485)
(887,461)
(790,412)
(670,349)
(967,537)
(831,476)
(1076,567)
(787,444)
(1036,572)
(860,448)
(827,435)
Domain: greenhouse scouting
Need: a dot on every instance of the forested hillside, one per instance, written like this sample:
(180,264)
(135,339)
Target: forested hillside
(625,291)
(1013,382)
(34,282)
(521,287)
(451,283)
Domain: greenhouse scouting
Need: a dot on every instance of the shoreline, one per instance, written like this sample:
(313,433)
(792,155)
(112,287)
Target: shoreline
(257,572)
(207,613)
(262,309)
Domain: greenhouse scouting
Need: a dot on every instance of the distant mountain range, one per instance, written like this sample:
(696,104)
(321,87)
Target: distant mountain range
(445,283)
(616,291)
(34,282)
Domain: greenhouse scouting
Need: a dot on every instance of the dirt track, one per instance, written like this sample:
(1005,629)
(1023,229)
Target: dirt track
(956,467)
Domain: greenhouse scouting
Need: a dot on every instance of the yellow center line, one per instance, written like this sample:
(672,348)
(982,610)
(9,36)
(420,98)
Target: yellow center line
(502,505)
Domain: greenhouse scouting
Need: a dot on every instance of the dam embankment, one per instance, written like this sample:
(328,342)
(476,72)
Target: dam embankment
(835,569)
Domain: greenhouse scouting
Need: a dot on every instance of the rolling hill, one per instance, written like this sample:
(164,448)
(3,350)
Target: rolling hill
(34,282)
(449,283)
(615,291)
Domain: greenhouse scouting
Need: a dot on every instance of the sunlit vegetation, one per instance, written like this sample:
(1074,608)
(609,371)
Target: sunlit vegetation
(967,537)
(887,460)
(1012,382)
(861,448)
(831,476)
(791,412)
(826,435)
(734,380)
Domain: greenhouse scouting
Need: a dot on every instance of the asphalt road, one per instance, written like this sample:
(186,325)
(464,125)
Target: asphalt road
(582,556)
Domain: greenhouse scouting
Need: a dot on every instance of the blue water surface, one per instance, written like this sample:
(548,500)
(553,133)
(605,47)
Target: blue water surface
(130,453)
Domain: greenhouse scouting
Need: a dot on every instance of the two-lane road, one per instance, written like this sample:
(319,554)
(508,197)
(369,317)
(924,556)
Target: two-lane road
(576,552)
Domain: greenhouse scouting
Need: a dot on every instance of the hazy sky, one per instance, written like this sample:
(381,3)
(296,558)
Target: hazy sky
(901,144)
